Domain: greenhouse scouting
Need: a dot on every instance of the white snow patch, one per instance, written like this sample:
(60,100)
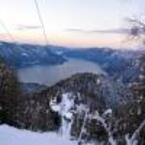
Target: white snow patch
(12,136)
(107,112)
(64,108)
(24,54)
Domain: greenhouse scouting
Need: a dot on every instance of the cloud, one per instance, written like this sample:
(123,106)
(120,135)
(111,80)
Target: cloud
(28,27)
(76,30)
(106,31)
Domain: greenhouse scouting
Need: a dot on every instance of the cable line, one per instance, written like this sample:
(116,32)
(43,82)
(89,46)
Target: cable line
(41,21)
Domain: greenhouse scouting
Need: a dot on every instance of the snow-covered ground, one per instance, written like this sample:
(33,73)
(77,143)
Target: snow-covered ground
(12,136)
(65,111)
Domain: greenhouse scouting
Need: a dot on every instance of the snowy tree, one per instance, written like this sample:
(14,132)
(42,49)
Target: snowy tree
(129,139)
(137,29)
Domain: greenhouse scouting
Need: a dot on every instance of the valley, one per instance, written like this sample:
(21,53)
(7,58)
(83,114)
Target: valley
(50,75)
(74,100)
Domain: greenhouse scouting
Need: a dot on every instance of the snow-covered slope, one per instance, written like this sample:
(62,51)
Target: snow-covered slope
(13,136)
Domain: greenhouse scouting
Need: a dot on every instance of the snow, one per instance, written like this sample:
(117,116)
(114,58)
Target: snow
(66,104)
(64,108)
(107,112)
(83,125)
(12,136)
(24,54)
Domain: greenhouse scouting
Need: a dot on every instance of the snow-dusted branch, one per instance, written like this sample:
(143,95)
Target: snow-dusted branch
(66,109)
(137,131)
(83,126)
(133,139)
(100,119)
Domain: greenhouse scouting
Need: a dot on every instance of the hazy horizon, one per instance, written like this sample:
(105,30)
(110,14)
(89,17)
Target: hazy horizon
(73,23)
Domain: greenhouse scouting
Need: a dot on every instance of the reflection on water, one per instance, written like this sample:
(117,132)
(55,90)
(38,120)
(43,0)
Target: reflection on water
(49,75)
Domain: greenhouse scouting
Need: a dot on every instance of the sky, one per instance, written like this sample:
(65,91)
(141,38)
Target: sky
(72,23)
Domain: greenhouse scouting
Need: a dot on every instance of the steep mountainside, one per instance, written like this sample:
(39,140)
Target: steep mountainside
(86,106)
(117,63)
(40,111)
(30,88)
(24,55)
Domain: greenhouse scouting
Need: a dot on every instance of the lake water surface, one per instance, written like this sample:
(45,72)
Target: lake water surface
(49,75)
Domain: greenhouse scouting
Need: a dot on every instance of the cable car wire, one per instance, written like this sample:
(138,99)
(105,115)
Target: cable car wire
(41,21)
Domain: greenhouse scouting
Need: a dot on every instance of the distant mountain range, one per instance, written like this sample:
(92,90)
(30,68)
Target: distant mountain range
(117,63)
(24,55)
(85,106)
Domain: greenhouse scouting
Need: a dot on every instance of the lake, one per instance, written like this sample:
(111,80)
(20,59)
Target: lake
(49,75)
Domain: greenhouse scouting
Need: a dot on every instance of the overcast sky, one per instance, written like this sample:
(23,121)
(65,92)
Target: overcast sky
(71,23)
